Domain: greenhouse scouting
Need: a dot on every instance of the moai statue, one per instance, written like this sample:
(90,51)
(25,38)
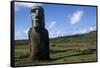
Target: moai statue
(38,35)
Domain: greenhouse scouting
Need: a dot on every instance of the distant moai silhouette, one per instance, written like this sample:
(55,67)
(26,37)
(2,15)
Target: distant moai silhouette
(38,35)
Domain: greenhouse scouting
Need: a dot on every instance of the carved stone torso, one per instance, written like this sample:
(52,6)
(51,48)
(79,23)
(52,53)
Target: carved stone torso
(38,36)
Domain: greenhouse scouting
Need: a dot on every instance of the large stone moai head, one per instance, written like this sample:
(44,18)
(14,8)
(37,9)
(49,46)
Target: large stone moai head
(37,14)
(38,35)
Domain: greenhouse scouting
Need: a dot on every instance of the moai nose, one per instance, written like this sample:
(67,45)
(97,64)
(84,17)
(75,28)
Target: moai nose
(37,11)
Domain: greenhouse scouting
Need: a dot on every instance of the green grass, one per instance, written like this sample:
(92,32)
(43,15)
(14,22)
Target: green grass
(62,50)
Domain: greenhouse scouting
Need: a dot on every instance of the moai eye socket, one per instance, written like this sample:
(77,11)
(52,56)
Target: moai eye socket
(33,11)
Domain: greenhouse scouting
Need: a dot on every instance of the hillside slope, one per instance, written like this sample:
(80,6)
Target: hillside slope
(91,36)
(66,49)
(73,38)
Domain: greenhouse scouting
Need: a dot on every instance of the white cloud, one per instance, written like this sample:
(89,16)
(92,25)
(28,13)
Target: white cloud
(60,33)
(76,17)
(26,30)
(22,34)
(86,30)
(80,31)
(17,34)
(56,34)
(52,24)
(23,4)
(51,35)
(83,31)
(92,28)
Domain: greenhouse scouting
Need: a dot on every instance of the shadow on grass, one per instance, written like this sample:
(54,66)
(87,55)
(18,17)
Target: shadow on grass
(85,52)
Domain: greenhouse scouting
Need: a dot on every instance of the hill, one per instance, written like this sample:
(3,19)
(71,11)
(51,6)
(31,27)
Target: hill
(66,49)
(21,42)
(91,36)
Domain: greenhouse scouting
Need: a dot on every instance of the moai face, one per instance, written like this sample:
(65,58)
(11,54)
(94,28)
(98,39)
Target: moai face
(37,17)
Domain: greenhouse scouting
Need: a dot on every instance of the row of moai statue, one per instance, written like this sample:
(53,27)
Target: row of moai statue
(38,36)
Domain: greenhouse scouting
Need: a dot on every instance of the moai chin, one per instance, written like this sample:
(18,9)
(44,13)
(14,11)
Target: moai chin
(38,35)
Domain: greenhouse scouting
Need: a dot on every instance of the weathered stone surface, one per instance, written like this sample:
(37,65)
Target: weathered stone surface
(38,36)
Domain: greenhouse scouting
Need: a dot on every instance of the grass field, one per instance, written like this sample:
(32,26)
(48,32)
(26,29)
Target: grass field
(66,49)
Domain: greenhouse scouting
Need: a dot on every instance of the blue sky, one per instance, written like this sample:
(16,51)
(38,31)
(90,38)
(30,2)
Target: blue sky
(60,20)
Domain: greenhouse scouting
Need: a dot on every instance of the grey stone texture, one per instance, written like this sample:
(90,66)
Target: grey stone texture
(38,36)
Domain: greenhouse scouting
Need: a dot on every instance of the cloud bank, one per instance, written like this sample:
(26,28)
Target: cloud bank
(76,16)
(52,24)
